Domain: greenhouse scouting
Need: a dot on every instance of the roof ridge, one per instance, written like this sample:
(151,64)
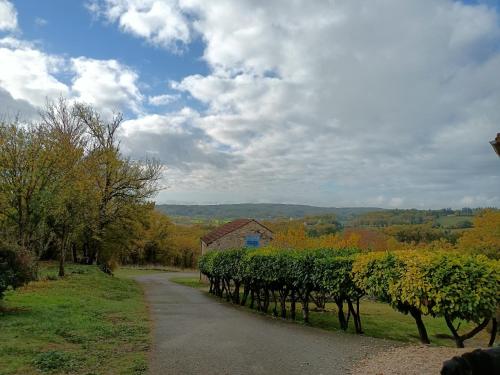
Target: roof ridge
(226,228)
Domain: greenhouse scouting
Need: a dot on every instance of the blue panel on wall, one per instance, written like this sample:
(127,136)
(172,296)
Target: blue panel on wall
(252,240)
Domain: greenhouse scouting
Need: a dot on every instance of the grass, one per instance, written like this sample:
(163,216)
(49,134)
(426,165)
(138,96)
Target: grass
(86,323)
(378,320)
(452,221)
(132,271)
(193,282)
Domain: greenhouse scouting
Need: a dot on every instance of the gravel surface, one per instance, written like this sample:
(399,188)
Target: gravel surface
(195,333)
(407,360)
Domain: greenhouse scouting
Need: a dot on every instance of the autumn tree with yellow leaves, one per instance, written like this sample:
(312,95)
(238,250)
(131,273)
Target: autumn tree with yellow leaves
(484,237)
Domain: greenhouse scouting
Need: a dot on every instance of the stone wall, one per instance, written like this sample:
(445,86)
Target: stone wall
(236,239)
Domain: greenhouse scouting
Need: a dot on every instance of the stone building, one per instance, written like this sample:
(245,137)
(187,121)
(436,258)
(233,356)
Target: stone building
(237,234)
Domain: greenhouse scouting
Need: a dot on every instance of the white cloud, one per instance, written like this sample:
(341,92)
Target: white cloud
(106,84)
(336,102)
(160,100)
(175,141)
(28,73)
(160,22)
(343,102)
(32,76)
(8,16)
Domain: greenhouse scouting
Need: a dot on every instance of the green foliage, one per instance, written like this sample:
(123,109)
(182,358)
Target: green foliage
(264,211)
(439,284)
(64,184)
(268,273)
(374,273)
(463,287)
(449,285)
(421,233)
(17,267)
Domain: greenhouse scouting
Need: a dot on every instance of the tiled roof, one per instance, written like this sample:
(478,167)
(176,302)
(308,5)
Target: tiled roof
(224,229)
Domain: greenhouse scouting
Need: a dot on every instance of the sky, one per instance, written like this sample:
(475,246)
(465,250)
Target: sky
(383,103)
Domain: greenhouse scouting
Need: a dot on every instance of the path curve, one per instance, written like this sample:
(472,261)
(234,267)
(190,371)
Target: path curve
(194,333)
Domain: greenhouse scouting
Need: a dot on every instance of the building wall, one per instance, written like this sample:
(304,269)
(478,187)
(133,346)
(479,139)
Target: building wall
(236,239)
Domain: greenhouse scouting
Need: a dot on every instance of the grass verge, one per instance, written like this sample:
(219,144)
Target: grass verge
(193,282)
(86,323)
(378,319)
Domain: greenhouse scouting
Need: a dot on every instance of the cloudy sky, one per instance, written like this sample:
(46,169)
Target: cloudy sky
(383,103)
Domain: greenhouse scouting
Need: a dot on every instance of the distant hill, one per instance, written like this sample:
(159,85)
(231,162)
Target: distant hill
(260,211)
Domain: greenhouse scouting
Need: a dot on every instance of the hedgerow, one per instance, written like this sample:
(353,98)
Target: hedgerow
(452,286)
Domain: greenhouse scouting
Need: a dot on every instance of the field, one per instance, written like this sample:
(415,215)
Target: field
(75,325)
(378,319)
(453,221)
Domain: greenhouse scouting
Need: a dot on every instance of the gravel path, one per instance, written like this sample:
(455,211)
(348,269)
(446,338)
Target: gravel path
(197,334)
(407,360)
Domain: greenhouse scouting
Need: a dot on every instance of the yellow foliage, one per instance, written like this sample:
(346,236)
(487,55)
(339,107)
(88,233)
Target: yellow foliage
(295,237)
(484,237)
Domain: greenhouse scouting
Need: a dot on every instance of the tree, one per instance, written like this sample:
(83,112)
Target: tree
(119,182)
(390,278)
(484,237)
(27,174)
(462,288)
(70,196)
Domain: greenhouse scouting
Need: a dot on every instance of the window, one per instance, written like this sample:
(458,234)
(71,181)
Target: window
(252,240)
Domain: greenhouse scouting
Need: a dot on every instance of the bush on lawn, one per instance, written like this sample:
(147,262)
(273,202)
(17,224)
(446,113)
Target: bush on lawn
(17,267)
(453,286)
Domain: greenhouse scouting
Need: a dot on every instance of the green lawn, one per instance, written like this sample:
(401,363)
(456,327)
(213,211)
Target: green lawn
(378,320)
(87,323)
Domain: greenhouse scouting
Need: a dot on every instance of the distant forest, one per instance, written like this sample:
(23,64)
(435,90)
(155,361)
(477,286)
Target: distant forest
(347,216)
(263,211)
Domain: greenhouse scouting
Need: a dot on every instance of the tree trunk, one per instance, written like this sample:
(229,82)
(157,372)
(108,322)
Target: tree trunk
(252,298)
(236,292)
(422,332)
(245,296)
(305,306)
(73,250)
(227,285)
(283,295)
(62,257)
(258,299)
(355,315)
(292,306)
(340,308)
(266,300)
(494,329)
(459,339)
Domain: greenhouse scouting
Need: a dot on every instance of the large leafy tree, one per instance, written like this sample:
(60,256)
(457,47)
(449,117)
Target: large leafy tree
(119,182)
(64,184)
(27,178)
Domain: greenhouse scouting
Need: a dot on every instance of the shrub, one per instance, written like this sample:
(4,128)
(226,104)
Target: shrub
(440,284)
(17,267)
(453,286)
(463,288)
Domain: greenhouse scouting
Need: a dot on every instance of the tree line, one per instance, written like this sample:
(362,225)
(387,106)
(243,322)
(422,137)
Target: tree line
(454,286)
(68,192)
